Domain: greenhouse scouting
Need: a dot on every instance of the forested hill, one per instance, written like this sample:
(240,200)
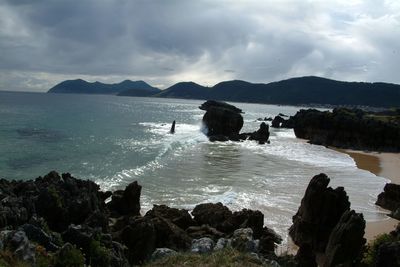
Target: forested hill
(79,86)
(295,91)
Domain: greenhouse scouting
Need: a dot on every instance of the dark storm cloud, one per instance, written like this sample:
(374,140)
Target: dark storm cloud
(162,42)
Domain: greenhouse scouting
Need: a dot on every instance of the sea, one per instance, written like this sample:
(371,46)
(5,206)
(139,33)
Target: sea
(116,140)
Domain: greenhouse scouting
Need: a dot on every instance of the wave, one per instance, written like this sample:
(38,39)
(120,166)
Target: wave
(167,145)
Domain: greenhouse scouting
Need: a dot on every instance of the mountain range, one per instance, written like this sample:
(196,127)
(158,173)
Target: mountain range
(294,91)
(127,87)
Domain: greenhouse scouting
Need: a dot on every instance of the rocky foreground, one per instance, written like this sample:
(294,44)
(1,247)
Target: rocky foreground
(63,221)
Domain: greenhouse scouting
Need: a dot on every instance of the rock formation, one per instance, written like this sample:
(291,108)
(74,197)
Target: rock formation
(348,128)
(222,119)
(277,121)
(69,218)
(223,122)
(390,199)
(324,224)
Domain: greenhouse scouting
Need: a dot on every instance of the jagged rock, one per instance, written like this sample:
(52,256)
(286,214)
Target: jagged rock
(39,236)
(160,253)
(390,198)
(242,240)
(180,217)
(215,215)
(347,128)
(140,238)
(80,236)
(202,245)
(22,248)
(246,218)
(222,119)
(13,211)
(277,121)
(305,257)
(262,134)
(268,239)
(388,254)
(126,202)
(118,258)
(223,243)
(66,200)
(346,240)
(169,235)
(204,230)
(320,210)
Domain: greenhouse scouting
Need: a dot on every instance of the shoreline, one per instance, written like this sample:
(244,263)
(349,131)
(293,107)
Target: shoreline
(382,164)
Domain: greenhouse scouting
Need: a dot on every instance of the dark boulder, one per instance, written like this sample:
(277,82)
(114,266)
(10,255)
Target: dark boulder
(305,257)
(180,217)
(246,218)
(39,236)
(262,134)
(268,240)
(168,235)
(66,200)
(346,240)
(204,230)
(221,119)
(126,202)
(320,210)
(215,215)
(388,254)
(140,238)
(390,199)
(277,121)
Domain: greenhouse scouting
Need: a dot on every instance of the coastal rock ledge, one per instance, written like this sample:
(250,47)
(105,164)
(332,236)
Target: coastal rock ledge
(63,221)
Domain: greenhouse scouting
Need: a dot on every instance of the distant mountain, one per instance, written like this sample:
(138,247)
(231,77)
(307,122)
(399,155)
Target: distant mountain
(189,90)
(79,86)
(295,91)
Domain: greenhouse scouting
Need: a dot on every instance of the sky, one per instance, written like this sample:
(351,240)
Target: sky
(163,42)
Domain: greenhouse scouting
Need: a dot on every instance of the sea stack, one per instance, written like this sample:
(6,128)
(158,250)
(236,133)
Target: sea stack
(223,121)
(172,131)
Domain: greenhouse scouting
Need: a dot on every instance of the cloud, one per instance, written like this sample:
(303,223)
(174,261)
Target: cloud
(163,42)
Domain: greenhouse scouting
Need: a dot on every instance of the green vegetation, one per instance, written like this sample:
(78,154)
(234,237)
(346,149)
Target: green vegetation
(370,254)
(69,257)
(99,255)
(7,259)
(226,257)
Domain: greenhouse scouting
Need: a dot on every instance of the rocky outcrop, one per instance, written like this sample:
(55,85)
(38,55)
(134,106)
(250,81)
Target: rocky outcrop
(261,135)
(346,240)
(324,224)
(180,217)
(221,119)
(66,220)
(214,215)
(223,122)
(126,202)
(319,212)
(277,121)
(390,199)
(348,128)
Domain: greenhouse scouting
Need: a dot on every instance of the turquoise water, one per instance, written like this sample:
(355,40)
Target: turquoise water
(115,140)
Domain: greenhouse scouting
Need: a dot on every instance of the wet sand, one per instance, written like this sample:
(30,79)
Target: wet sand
(385,165)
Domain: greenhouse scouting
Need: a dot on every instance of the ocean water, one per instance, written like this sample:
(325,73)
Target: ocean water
(116,140)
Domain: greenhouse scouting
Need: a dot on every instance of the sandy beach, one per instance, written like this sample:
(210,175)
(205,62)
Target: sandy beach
(385,165)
